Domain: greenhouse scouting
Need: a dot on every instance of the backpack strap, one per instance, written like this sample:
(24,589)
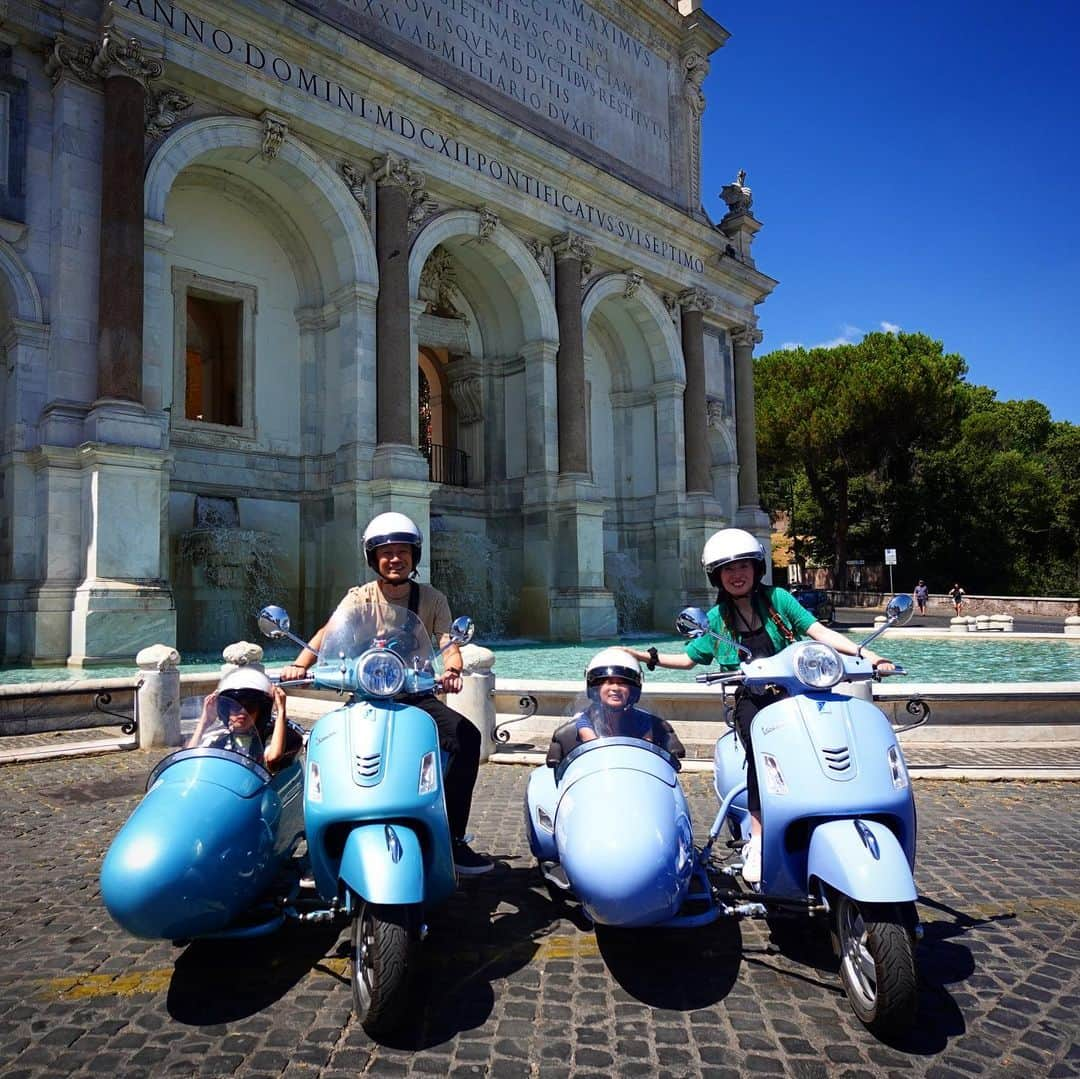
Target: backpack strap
(414,598)
(781,625)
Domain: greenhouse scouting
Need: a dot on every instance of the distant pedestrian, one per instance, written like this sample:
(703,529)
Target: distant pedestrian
(922,594)
(957,597)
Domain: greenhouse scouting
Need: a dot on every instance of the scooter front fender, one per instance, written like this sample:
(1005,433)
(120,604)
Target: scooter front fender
(384,863)
(862,859)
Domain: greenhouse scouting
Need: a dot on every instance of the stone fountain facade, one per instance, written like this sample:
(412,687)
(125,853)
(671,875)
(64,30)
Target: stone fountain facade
(290,257)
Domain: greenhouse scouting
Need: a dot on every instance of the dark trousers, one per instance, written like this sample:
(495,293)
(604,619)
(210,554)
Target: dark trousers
(747,706)
(461,740)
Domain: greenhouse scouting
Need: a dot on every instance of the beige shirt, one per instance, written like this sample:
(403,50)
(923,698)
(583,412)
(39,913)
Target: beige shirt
(433,609)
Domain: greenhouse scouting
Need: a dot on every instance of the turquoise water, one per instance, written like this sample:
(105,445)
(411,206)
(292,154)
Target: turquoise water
(926,660)
(969,659)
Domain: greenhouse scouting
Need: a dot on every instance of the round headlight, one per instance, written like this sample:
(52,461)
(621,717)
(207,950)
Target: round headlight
(380,673)
(817,665)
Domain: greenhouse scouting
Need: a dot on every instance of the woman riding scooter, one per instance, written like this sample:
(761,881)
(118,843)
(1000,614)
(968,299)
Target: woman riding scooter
(764,619)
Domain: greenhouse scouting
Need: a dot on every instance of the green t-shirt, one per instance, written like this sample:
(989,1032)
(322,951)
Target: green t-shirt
(794,615)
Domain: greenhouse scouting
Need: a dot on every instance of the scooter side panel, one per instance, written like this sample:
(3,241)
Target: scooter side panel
(540,814)
(400,735)
(195,854)
(863,860)
(384,863)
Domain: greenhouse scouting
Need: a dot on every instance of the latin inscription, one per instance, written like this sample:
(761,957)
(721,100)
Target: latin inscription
(585,78)
(263,59)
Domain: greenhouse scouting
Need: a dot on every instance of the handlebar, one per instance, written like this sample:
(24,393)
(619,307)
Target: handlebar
(709,677)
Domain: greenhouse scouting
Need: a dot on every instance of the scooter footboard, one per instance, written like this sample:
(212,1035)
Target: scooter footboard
(862,859)
(384,863)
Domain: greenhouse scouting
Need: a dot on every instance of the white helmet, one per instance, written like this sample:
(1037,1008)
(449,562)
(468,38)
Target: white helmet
(250,687)
(392,528)
(731,545)
(613,663)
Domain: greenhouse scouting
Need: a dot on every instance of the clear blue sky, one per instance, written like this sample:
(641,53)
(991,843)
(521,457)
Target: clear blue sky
(914,165)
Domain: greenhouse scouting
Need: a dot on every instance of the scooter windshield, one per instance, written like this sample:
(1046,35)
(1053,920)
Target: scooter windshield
(375,650)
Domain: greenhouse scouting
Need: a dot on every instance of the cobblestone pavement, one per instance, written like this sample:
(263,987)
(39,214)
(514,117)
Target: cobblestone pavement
(513,985)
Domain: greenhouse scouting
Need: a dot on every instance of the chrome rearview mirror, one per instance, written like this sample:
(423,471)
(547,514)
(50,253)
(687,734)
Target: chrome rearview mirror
(274,622)
(897,613)
(899,610)
(462,630)
(692,622)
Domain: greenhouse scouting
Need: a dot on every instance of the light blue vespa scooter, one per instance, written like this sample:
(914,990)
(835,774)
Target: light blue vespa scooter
(374,808)
(838,816)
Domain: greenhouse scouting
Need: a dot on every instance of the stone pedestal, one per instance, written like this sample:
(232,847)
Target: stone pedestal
(1072,626)
(476,701)
(159,696)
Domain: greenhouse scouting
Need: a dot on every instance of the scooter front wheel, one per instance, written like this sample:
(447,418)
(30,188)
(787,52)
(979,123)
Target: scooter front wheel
(877,963)
(382,947)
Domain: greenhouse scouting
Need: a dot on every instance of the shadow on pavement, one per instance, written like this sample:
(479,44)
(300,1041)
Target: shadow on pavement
(220,981)
(676,969)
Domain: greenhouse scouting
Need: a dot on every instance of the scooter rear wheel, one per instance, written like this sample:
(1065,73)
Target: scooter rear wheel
(381,966)
(877,964)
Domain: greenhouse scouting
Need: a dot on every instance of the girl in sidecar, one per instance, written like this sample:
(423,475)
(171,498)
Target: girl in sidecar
(202,853)
(606,818)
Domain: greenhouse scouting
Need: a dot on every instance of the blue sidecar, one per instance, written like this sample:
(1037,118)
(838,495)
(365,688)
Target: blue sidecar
(610,825)
(202,851)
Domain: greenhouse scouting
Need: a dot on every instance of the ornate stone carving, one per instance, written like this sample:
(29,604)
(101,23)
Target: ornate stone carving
(737,195)
(162,110)
(695,67)
(120,56)
(393,171)
(671,302)
(438,280)
(746,336)
(72,56)
(357,182)
(542,253)
(489,222)
(569,245)
(634,282)
(468,396)
(275,131)
(714,411)
(695,299)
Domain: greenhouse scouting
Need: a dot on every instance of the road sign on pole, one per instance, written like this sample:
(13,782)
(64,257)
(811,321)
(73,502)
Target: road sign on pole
(890,561)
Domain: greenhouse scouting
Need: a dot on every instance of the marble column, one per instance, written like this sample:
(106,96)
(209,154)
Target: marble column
(571,252)
(125,69)
(394,178)
(743,341)
(694,303)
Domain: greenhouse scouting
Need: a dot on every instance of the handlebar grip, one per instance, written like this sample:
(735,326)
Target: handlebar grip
(710,676)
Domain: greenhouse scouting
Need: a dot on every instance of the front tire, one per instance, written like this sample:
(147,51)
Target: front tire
(382,946)
(877,964)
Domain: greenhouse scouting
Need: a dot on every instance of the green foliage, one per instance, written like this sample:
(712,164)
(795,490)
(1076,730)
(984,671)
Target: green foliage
(883,444)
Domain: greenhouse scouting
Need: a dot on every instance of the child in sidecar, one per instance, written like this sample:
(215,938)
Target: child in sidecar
(247,713)
(613,683)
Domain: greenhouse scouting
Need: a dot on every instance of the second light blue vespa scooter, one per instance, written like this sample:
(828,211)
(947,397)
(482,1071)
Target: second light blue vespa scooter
(374,808)
(838,816)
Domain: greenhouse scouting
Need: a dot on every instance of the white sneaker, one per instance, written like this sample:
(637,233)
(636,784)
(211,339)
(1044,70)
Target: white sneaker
(751,870)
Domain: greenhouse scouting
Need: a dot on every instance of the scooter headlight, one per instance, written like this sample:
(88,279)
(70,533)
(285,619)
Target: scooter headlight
(380,673)
(897,768)
(817,665)
(429,774)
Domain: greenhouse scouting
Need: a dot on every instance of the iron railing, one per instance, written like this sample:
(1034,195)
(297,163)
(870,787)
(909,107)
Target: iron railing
(447,466)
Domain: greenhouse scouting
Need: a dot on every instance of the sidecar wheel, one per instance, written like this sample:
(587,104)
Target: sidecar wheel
(381,967)
(877,964)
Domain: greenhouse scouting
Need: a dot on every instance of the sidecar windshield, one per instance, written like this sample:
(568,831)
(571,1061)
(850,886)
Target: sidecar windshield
(357,638)
(234,733)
